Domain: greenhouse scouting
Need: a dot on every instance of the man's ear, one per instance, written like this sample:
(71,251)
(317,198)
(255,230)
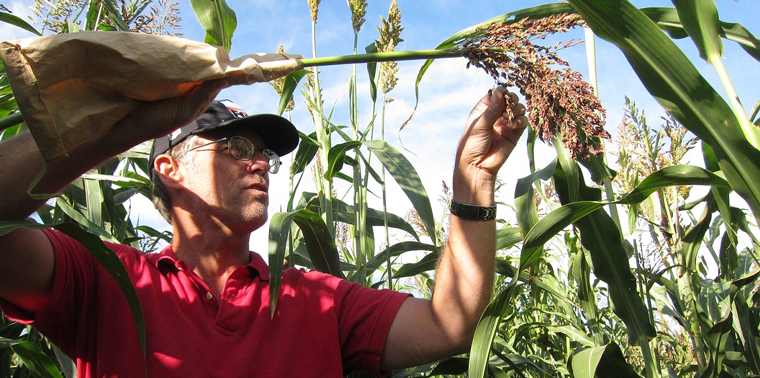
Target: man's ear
(167,169)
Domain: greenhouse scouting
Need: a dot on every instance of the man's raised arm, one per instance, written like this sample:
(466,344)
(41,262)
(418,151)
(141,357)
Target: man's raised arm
(26,256)
(426,331)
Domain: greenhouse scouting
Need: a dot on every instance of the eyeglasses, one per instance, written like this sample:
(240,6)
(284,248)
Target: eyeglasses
(243,149)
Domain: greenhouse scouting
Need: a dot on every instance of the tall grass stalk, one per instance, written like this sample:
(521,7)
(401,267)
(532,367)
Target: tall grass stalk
(751,132)
(323,134)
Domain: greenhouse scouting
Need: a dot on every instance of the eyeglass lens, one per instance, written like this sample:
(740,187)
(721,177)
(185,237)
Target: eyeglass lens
(243,149)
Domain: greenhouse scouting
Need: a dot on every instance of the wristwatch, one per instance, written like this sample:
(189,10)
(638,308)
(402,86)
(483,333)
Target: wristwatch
(473,212)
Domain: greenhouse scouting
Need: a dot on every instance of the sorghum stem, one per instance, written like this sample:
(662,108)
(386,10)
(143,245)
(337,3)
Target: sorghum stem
(381,57)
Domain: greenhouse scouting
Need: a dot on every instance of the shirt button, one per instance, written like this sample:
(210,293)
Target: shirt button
(209,295)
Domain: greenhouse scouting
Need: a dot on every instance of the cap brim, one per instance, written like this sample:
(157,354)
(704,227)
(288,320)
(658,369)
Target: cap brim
(277,133)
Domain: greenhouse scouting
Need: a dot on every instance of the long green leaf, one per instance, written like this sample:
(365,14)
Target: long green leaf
(700,19)
(426,264)
(407,178)
(486,330)
(604,361)
(279,227)
(320,245)
(335,157)
(114,15)
(345,213)
(307,149)
(560,218)
(585,362)
(667,19)
(288,87)
(397,250)
(601,237)
(39,363)
(218,19)
(525,206)
(372,71)
(673,80)
(16,21)
(573,333)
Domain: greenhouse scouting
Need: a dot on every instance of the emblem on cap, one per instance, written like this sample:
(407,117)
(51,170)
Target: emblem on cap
(234,108)
(175,134)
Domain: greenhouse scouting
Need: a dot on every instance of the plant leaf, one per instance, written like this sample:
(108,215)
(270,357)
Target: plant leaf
(407,178)
(288,87)
(601,237)
(218,19)
(38,363)
(319,243)
(114,15)
(16,21)
(307,149)
(335,157)
(486,330)
(700,20)
(603,361)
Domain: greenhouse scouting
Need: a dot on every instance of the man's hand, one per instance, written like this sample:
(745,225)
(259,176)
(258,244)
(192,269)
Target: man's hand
(490,135)
(153,119)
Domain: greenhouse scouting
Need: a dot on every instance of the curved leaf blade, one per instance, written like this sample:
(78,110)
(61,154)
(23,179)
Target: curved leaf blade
(288,87)
(406,176)
(16,21)
(335,157)
(700,20)
(39,363)
(218,19)
(486,330)
(320,245)
(279,227)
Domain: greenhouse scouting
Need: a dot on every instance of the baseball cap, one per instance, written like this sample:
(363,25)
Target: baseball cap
(277,133)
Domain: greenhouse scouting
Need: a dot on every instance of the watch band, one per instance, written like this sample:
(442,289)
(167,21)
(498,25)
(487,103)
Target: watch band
(473,212)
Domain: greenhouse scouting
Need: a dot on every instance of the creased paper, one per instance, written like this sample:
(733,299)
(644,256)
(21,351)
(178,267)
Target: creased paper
(72,87)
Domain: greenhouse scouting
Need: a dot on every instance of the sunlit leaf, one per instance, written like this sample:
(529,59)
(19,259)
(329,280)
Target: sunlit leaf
(335,157)
(16,21)
(700,19)
(407,178)
(39,363)
(486,330)
(218,19)
(289,86)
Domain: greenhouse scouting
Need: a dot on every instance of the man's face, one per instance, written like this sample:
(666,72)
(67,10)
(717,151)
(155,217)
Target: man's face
(224,189)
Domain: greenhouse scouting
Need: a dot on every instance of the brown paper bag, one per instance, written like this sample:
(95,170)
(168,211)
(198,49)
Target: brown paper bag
(72,87)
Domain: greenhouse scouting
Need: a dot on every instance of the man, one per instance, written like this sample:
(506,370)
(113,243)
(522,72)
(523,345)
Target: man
(205,297)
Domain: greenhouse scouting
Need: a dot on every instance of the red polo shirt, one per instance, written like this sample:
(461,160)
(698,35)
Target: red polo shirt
(322,325)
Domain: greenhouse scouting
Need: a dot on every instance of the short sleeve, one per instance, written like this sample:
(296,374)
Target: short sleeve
(365,316)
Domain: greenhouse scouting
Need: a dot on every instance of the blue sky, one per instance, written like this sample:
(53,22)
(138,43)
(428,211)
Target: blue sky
(448,91)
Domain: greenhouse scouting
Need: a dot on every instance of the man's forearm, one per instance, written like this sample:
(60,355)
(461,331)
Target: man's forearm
(464,282)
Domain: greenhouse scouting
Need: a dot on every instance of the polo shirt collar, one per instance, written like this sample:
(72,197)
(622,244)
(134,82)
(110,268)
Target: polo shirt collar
(167,258)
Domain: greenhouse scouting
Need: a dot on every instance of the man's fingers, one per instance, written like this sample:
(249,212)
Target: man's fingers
(495,108)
